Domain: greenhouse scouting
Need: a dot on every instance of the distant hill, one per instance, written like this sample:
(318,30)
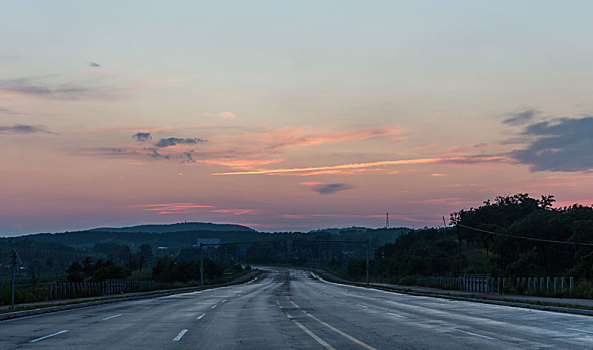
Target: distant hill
(179,227)
(336,230)
(174,235)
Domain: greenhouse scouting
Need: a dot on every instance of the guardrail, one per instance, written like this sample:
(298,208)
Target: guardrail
(60,290)
(542,286)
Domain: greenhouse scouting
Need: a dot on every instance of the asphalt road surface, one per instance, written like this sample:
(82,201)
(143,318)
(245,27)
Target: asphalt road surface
(291,309)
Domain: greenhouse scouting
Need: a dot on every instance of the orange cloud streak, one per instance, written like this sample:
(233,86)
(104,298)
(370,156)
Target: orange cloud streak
(366,165)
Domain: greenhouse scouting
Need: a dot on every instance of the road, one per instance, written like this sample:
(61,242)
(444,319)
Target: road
(291,309)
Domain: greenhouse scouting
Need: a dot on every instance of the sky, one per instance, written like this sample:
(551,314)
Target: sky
(289,116)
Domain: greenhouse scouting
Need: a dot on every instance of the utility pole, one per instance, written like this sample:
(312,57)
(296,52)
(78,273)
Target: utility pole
(15,256)
(368,265)
(459,248)
(387,220)
(202,265)
(13,268)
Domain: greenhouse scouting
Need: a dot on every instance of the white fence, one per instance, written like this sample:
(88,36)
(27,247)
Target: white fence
(59,290)
(486,284)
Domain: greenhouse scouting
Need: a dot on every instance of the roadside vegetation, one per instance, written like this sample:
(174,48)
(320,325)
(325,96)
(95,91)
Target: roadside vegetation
(509,236)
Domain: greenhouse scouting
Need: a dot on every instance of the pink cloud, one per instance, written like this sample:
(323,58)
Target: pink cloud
(345,216)
(446,201)
(236,211)
(171,208)
(124,129)
(298,136)
(238,163)
(227,115)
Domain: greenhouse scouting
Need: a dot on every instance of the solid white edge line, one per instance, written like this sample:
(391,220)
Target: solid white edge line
(180,335)
(200,317)
(110,317)
(474,334)
(48,336)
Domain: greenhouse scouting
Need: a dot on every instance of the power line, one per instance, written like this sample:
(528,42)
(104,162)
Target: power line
(527,238)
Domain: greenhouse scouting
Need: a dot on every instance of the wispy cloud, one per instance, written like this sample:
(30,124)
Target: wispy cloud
(278,138)
(454,201)
(4,110)
(171,208)
(562,144)
(326,188)
(346,216)
(407,218)
(122,129)
(341,172)
(94,64)
(42,87)
(452,160)
(237,163)
(521,118)
(24,129)
(235,211)
(227,115)
(182,149)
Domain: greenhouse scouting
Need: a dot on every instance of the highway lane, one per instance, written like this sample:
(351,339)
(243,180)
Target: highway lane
(292,309)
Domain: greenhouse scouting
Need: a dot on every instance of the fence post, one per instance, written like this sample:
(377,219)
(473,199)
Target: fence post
(548,285)
(571,283)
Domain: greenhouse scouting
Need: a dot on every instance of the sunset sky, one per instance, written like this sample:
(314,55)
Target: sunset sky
(289,115)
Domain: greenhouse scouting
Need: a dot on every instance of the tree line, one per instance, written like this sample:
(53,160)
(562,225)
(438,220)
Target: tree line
(513,235)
